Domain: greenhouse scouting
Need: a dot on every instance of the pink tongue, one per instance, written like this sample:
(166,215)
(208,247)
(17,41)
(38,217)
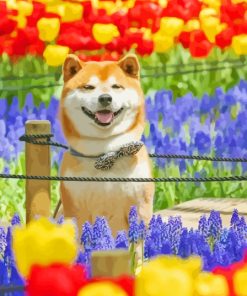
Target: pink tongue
(104,117)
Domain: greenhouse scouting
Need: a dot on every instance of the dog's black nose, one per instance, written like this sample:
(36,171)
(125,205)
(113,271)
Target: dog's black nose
(105,100)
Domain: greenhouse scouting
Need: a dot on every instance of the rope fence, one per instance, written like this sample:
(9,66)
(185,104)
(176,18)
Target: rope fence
(31,139)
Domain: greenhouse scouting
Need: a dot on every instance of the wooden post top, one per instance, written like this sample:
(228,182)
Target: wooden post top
(112,263)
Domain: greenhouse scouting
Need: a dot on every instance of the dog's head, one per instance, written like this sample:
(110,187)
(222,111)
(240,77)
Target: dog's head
(101,99)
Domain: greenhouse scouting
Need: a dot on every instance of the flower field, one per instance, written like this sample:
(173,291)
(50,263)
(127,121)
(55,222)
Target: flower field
(192,55)
(209,260)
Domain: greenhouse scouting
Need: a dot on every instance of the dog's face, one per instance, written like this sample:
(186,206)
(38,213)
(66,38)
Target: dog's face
(101,99)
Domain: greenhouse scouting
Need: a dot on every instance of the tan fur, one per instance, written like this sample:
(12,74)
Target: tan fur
(86,200)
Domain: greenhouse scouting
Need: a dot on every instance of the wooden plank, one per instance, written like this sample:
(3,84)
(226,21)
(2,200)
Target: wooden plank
(192,210)
(38,163)
(112,263)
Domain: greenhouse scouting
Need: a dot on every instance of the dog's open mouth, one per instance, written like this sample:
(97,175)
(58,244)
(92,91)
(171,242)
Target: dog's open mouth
(102,117)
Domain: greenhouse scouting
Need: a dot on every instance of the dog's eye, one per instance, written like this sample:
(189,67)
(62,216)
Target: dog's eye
(117,86)
(88,87)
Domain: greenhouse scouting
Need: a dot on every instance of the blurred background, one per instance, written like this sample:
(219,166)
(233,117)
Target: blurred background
(193,73)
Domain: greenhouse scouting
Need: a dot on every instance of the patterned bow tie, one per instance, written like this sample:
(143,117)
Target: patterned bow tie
(106,161)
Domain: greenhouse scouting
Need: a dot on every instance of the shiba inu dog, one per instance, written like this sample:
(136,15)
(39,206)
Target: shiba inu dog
(102,116)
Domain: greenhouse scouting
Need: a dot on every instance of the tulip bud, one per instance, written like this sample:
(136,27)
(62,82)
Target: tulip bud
(104,33)
(239,44)
(48,28)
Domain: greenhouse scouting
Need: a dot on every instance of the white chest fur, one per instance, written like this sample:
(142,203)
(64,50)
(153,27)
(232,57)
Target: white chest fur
(102,198)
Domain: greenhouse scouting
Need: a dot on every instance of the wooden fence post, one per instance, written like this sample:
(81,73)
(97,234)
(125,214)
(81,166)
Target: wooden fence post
(38,163)
(112,263)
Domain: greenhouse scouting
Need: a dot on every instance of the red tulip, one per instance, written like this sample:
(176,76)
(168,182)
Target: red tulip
(99,16)
(143,14)
(73,40)
(224,38)
(145,48)
(7,25)
(38,12)
(55,280)
(199,45)
(87,9)
(120,19)
(36,46)
(133,37)
(118,44)
(184,9)
(184,38)
(228,272)
(240,26)
(81,27)
(231,12)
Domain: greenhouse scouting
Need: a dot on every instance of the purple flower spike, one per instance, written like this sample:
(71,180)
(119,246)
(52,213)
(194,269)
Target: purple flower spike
(142,230)
(133,232)
(16,220)
(2,240)
(184,249)
(3,274)
(215,224)
(102,238)
(121,240)
(203,226)
(87,236)
(8,253)
(234,218)
(133,216)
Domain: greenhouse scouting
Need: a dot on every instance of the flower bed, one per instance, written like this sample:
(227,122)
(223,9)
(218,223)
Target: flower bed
(208,260)
(214,125)
(52,29)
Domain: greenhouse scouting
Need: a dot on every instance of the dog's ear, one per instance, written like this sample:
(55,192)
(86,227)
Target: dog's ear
(71,66)
(130,65)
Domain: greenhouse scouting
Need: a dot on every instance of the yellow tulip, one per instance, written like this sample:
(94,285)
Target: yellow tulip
(239,44)
(206,12)
(239,281)
(163,3)
(11,4)
(208,284)
(213,3)
(68,11)
(164,276)
(48,28)
(20,19)
(211,26)
(72,12)
(102,289)
(171,26)
(55,55)
(58,8)
(109,6)
(104,33)
(191,25)
(42,242)
(25,8)
(162,43)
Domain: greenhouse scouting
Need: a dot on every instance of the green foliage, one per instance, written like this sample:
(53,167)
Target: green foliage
(32,68)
